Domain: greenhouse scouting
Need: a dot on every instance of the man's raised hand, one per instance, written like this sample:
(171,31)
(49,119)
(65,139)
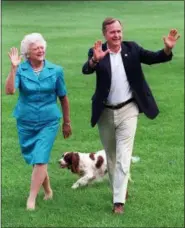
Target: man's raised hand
(98,53)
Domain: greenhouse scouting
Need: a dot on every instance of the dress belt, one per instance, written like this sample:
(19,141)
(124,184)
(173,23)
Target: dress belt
(118,106)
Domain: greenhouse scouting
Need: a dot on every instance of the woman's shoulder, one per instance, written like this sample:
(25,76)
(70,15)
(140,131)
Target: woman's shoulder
(57,68)
(24,64)
(49,64)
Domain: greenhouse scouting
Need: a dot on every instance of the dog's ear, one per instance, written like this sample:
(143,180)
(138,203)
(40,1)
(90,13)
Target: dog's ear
(99,162)
(67,156)
(75,163)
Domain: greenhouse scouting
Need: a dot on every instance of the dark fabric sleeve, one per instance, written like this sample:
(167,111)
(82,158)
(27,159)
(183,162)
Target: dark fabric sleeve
(86,69)
(152,57)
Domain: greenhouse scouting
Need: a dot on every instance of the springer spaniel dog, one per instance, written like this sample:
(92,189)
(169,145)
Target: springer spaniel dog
(89,166)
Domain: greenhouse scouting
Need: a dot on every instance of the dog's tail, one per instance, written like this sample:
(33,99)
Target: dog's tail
(135,159)
(129,178)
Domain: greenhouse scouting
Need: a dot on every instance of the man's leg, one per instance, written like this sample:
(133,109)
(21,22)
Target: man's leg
(126,122)
(107,135)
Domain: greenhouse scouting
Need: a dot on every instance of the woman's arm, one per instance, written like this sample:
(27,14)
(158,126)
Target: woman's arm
(10,81)
(66,126)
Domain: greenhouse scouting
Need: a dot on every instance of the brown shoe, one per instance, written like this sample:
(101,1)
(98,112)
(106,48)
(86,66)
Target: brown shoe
(118,208)
(126,195)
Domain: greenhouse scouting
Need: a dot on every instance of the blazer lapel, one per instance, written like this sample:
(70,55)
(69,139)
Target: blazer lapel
(127,60)
(47,71)
(44,73)
(105,62)
(125,56)
(27,71)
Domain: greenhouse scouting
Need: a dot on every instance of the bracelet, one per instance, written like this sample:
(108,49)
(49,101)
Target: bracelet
(94,61)
(67,123)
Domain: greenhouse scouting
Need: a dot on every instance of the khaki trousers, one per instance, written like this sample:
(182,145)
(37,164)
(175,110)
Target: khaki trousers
(117,131)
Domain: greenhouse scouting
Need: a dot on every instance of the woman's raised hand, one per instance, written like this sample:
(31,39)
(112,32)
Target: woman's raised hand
(14,56)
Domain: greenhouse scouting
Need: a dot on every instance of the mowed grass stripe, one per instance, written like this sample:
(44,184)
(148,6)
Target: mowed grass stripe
(70,28)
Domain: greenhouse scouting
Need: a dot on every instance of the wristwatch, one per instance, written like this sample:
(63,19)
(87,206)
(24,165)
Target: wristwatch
(94,61)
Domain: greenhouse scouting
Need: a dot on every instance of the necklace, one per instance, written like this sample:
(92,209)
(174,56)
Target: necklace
(37,70)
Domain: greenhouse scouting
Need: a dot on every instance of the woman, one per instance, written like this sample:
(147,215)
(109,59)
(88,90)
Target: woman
(40,82)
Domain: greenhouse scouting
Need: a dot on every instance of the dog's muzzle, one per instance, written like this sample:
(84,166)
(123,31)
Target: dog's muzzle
(62,165)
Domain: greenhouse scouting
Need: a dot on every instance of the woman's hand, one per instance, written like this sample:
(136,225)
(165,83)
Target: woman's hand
(66,129)
(14,56)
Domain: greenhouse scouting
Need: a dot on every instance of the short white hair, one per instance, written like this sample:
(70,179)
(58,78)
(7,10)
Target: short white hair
(31,39)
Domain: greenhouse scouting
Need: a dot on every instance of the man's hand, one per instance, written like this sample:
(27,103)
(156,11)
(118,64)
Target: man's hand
(98,54)
(171,39)
(66,129)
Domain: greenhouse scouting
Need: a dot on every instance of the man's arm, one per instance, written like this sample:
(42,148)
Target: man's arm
(151,57)
(89,66)
(164,55)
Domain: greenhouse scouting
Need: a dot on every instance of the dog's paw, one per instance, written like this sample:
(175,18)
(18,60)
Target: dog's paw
(74,186)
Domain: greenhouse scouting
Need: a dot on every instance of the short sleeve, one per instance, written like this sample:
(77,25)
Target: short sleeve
(17,78)
(60,83)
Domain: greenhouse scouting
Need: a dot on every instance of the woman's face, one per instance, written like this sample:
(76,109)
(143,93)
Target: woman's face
(36,52)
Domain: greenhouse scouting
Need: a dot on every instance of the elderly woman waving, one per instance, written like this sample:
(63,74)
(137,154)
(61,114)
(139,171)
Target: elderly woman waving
(40,82)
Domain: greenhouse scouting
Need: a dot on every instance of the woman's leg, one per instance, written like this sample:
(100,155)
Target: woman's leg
(47,187)
(38,176)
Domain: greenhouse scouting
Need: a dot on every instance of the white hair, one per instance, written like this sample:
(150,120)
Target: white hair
(31,39)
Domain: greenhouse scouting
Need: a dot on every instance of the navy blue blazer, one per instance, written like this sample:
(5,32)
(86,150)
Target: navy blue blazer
(132,55)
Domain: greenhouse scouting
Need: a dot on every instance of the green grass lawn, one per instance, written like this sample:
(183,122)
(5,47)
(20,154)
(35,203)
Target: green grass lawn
(71,28)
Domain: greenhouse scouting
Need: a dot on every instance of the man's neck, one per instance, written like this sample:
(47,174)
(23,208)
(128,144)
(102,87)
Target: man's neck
(114,49)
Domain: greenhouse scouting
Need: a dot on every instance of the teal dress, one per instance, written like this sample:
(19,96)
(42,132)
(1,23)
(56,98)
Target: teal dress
(36,111)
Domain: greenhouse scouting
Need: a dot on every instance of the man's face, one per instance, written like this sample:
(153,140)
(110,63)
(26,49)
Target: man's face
(113,34)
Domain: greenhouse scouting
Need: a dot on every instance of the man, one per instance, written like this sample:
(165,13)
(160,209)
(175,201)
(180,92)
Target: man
(121,93)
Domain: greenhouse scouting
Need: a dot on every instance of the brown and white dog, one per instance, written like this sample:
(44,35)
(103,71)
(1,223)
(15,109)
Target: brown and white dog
(89,166)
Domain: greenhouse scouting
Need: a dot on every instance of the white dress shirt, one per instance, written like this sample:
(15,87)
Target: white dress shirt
(120,89)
